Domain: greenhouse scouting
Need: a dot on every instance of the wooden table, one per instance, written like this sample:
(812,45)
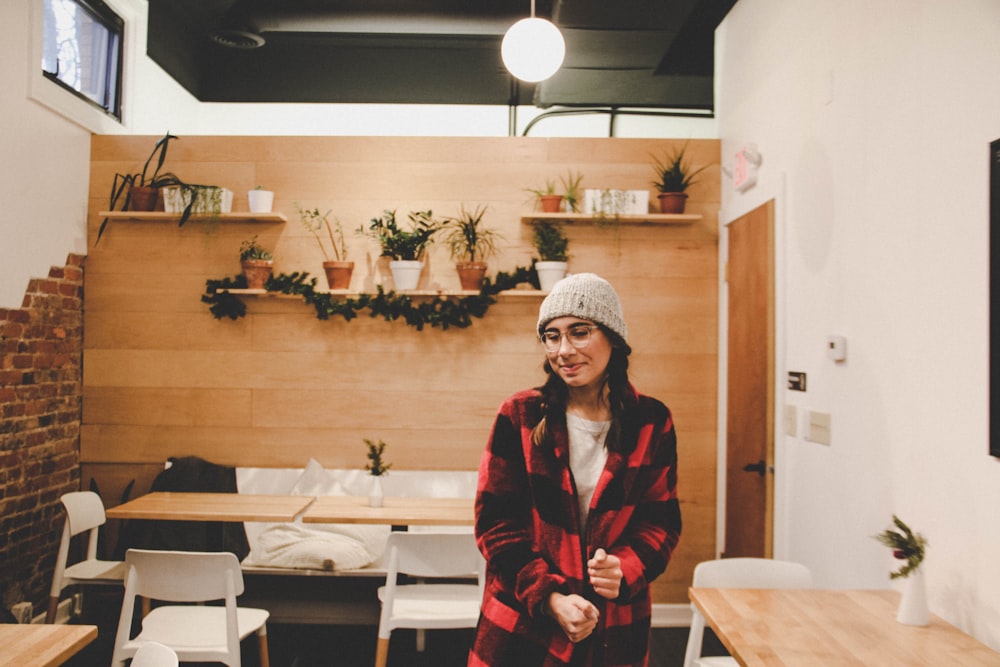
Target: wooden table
(177,506)
(835,628)
(395,510)
(38,645)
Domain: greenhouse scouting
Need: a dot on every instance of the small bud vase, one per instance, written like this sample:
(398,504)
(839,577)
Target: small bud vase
(913,608)
(375,499)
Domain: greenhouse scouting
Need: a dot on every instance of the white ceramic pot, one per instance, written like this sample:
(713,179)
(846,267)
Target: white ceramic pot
(406,273)
(549,273)
(260,201)
(913,609)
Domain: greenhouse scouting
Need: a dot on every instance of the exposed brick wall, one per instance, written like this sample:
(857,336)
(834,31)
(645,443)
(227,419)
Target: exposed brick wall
(41,380)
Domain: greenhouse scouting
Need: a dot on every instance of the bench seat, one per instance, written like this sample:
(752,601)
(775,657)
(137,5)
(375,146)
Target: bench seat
(332,596)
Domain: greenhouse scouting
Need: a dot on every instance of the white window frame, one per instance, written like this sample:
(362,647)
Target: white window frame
(66,103)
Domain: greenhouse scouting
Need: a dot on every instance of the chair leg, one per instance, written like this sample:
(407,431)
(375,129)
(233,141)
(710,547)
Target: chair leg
(265,660)
(50,615)
(421,640)
(382,652)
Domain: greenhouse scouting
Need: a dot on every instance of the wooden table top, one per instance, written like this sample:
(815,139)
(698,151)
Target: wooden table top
(176,506)
(835,628)
(40,645)
(395,510)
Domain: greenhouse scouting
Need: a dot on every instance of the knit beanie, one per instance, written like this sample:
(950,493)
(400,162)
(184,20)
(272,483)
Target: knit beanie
(587,296)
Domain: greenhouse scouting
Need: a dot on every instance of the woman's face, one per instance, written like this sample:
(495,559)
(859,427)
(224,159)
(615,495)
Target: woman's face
(582,366)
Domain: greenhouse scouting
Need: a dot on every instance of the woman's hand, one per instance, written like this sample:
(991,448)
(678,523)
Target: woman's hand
(605,571)
(576,615)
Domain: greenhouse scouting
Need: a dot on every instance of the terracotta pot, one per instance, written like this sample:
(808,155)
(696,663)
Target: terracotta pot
(338,274)
(257,271)
(672,202)
(550,203)
(470,274)
(142,199)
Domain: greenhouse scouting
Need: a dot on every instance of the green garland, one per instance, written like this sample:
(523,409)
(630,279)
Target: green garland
(439,311)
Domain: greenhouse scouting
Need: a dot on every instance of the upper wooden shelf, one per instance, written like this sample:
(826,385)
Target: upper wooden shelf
(591,219)
(152,216)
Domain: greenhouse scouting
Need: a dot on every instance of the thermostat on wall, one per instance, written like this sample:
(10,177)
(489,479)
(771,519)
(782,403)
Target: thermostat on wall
(836,348)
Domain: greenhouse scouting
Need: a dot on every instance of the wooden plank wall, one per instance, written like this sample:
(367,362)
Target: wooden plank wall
(163,378)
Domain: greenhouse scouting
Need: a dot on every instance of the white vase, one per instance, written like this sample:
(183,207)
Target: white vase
(913,609)
(260,201)
(406,273)
(549,273)
(376,495)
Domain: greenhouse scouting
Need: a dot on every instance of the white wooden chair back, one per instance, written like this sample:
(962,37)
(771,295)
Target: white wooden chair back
(428,605)
(154,654)
(197,633)
(84,514)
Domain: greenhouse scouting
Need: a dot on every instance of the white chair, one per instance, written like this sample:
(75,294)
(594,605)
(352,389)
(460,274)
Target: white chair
(429,605)
(84,513)
(737,573)
(197,633)
(154,654)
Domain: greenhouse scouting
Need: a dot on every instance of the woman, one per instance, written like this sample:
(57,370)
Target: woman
(576,511)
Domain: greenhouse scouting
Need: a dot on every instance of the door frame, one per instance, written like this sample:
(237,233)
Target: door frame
(736,207)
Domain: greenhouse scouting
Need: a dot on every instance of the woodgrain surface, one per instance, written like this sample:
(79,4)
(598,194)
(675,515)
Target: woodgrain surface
(40,645)
(831,628)
(163,378)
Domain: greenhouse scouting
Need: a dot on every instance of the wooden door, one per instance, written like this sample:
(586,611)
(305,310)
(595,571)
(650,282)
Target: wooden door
(750,382)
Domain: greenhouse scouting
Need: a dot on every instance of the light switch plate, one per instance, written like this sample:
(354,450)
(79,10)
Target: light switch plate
(791,416)
(818,427)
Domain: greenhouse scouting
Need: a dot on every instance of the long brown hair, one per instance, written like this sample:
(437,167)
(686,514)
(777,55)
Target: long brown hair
(555,392)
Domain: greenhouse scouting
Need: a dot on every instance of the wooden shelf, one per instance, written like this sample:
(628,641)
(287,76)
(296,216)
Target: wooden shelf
(592,219)
(155,216)
(524,293)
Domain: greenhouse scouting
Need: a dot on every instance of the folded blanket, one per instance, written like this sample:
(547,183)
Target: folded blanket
(295,546)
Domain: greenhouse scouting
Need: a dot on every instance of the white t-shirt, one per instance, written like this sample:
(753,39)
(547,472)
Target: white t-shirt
(587,457)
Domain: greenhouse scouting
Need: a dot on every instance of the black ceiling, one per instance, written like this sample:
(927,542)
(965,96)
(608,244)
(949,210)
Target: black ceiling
(619,53)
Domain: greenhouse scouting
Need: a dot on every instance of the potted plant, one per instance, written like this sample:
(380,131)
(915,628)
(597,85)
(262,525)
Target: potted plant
(139,192)
(547,197)
(470,244)
(406,247)
(190,198)
(377,468)
(337,268)
(571,190)
(552,262)
(257,263)
(260,200)
(909,547)
(673,177)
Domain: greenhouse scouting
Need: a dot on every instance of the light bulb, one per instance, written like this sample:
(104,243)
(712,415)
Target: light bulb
(533,49)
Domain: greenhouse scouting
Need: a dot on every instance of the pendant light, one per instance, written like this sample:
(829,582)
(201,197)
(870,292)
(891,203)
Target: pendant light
(533,49)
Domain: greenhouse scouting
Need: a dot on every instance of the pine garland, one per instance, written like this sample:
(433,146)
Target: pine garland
(439,311)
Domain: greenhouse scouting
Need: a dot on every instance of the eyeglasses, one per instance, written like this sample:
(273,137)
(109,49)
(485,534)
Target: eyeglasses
(578,336)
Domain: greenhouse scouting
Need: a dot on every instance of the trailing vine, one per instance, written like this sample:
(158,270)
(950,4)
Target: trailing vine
(439,311)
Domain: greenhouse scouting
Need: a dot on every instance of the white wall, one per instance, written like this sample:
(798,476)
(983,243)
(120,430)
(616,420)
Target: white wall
(43,157)
(46,157)
(874,119)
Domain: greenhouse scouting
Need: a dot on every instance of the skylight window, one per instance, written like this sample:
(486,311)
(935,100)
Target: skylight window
(82,51)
